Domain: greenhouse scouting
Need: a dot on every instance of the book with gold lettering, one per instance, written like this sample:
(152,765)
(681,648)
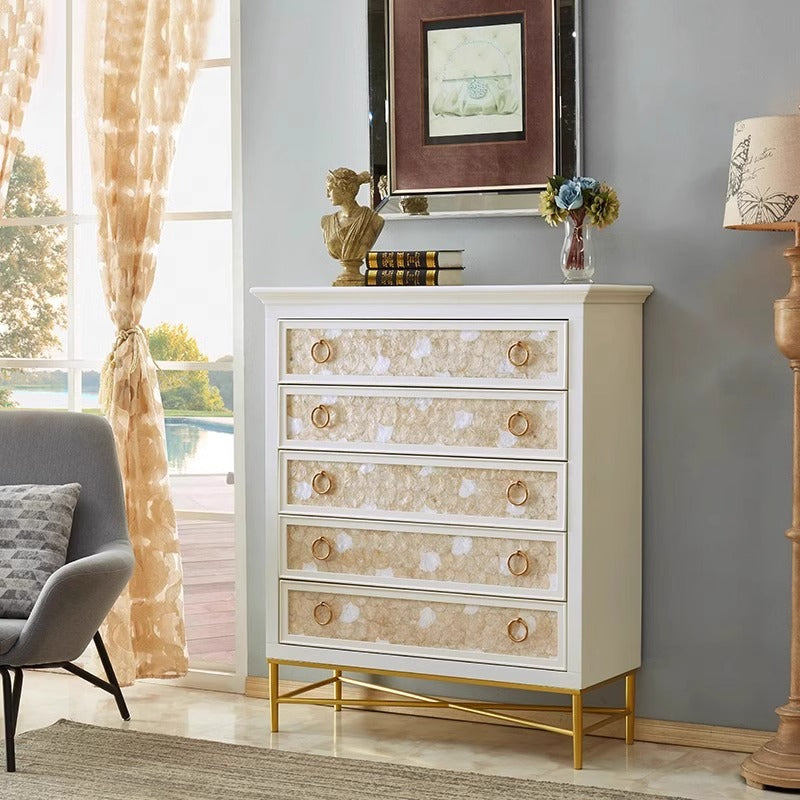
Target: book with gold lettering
(415,259)
(413,277)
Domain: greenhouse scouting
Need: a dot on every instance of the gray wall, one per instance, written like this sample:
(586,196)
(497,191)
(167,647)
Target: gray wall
(664,82)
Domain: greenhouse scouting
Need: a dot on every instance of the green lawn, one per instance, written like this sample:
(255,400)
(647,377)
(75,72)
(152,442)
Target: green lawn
(173,412)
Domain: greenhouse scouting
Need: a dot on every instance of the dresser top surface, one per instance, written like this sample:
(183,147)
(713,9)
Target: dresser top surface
(576,294)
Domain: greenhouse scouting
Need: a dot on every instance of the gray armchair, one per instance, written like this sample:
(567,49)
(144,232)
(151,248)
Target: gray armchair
(53,447)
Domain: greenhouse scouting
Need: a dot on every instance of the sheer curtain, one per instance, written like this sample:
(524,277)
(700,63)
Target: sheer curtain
(20,42)
(141,60)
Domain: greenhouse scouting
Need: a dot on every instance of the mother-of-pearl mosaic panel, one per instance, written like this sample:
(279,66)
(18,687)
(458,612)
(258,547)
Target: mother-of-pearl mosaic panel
(466,353)
(423,623)
(446,558)
(446,421)
(428,490)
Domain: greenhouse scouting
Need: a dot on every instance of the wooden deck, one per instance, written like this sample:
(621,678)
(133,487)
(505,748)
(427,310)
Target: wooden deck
(207,550)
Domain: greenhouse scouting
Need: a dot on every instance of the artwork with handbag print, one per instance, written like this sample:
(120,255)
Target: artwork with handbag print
(474,79)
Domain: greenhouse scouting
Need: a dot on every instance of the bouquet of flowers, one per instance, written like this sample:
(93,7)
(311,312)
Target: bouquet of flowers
(584,199)
(580,203)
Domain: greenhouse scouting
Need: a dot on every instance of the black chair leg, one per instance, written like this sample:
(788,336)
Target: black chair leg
(11,696)
(17,693)
(112,677)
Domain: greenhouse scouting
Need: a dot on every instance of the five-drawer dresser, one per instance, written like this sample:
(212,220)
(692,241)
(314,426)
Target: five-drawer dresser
(453,491)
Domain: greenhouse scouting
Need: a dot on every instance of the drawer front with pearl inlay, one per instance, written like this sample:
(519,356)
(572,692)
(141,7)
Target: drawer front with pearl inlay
(464,560)
(529,494)
(481,629)
(436,421)
(529,354)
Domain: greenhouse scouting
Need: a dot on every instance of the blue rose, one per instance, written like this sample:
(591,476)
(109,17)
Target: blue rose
(569,196)
(589,184)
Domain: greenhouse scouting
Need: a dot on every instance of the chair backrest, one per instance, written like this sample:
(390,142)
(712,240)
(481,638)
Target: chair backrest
(55,447)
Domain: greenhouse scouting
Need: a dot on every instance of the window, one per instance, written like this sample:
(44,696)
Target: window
(54,327)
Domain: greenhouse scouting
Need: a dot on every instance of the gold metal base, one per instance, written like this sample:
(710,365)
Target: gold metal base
(406,699)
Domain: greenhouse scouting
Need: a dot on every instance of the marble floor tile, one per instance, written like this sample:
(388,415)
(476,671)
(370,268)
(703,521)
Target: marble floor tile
(685,772)
(703,775)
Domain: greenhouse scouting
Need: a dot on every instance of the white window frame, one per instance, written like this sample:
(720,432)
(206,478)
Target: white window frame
(216,677)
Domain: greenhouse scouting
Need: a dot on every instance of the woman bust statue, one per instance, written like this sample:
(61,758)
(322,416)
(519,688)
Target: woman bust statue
(350,232)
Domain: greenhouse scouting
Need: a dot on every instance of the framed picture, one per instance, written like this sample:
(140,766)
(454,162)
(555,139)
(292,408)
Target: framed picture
(472,102)
(473,75)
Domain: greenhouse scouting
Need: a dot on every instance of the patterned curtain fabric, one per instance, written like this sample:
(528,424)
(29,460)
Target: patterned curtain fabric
(141,60)
(20,42)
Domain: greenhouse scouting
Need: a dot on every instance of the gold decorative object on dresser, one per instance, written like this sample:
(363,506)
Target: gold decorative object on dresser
(454,492)
(350,232)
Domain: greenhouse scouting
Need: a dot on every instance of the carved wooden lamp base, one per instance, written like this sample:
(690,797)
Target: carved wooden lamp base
(777,763)
(350,274)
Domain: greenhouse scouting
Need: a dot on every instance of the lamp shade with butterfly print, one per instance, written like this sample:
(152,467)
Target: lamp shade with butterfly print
(764,178)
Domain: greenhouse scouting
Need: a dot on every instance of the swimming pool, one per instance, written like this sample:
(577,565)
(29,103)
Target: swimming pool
(195,445)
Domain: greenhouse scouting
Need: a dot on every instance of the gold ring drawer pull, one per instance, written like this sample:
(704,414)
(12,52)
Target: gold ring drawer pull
(518,354)
(322,483)
(321,417)
(518,424)
(321,548)
(323,615)
(321,351)
(517,630)
(514,558)
(517,493)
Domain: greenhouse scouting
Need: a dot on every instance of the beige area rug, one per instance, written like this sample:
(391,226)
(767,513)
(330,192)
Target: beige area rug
(71,761)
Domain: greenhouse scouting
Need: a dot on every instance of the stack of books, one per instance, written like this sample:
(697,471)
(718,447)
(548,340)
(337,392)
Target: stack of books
(414,268)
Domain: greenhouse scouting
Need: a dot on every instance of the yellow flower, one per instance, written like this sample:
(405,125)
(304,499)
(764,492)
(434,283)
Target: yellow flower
(604,208)
(552,214)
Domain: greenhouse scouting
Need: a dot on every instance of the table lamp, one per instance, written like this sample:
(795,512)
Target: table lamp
(763,192)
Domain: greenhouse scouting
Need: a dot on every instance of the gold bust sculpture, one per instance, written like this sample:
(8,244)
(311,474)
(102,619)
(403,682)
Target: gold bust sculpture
(350,232)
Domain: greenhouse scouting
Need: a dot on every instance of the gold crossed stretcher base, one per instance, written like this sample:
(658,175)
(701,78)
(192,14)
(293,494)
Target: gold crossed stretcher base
(495,711)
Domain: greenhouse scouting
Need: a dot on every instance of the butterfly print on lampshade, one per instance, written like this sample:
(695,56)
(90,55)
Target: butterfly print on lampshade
(762,209)
(764,176)
(741,153)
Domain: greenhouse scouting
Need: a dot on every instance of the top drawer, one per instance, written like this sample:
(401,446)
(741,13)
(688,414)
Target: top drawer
(453,353)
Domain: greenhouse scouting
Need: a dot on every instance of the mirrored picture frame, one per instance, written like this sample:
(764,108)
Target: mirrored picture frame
(473,104)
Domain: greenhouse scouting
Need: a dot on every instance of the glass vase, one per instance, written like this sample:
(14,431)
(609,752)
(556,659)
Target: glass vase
(577,253)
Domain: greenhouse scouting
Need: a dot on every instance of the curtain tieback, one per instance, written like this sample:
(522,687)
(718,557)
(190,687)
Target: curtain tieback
(124,335)
(107,374)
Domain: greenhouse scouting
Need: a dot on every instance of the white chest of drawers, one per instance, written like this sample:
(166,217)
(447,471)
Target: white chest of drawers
(454,485)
